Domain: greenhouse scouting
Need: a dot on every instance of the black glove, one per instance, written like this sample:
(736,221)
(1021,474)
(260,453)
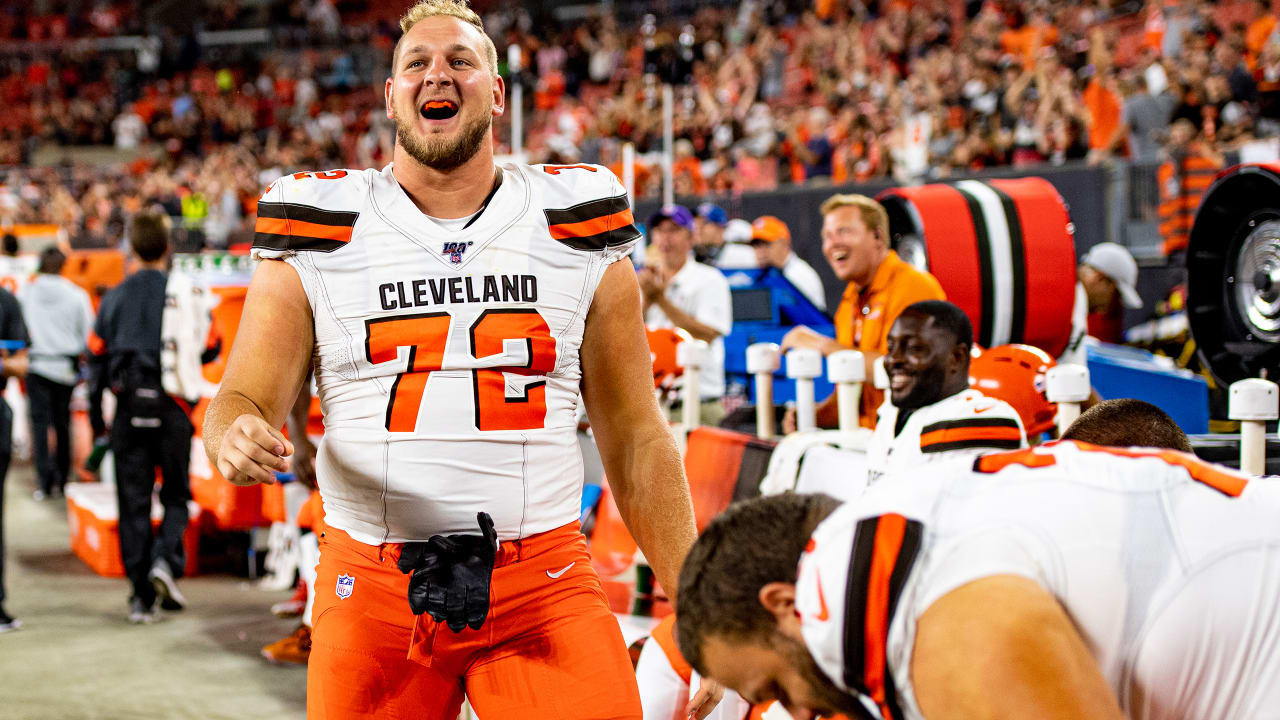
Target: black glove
(450,575)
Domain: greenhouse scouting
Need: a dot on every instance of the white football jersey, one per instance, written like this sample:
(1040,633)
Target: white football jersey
(966,424)
(446,360)
(1169,567)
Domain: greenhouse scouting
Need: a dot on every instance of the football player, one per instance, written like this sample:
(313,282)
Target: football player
(456,312)
(932,413)
(1065,581)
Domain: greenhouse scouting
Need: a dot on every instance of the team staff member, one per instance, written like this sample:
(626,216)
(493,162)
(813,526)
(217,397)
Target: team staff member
(683,293)
(13,363)
(455,308)
(60,317)
(771,240)
(933,413)
(855,240)
(150,429)
(1055,582)
(713,243)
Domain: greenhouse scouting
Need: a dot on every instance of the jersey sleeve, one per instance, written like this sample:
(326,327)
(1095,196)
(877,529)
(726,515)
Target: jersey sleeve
(851,578)
(307,212)
(587,209)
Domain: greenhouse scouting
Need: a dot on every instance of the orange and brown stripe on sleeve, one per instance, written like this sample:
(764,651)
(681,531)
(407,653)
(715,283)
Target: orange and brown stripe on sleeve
(979,432)
(97,345)
(884,550)
(290,226)
(593,225)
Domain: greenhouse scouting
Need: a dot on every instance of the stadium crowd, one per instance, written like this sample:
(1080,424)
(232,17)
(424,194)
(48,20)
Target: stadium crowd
(767,94)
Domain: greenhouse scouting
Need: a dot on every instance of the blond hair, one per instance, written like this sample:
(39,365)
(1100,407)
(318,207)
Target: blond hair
(873,213)
(459,9)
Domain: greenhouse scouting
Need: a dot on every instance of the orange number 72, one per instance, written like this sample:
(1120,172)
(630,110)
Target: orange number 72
(425,335)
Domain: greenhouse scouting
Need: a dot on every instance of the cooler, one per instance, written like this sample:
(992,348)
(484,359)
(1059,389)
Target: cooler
(93,518)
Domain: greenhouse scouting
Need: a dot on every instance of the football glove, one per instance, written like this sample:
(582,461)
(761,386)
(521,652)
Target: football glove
(449,576)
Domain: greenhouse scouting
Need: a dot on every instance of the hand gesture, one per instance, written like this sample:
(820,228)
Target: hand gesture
(253,452)
(801,336)
(652,283)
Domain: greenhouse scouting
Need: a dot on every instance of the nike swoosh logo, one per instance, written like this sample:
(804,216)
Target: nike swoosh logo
(823,615)
(561,571)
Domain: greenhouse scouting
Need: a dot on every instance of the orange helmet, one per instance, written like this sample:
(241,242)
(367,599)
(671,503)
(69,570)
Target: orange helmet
(1015,374)
(662,350)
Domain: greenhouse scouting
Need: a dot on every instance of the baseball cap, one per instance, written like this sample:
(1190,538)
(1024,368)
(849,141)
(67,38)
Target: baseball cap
(713,213)
(677,214)
(769,229)
(1112,260)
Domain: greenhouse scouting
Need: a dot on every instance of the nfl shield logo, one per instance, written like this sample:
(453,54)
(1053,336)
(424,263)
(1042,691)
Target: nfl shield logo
(345,584)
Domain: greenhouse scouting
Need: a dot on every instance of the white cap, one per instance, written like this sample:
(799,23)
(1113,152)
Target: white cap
(738,231)
(1114,261)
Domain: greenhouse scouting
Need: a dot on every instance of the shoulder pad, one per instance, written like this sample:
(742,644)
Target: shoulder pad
(586,207)
(309,211)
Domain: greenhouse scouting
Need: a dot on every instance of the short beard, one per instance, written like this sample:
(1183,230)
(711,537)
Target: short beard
(927,391)
(443,154)
(824,691)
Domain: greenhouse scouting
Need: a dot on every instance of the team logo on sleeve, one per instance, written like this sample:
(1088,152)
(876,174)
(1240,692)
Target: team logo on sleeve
(454,250)
(346,584)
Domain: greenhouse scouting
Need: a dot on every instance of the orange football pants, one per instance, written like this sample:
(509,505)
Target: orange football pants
(549,648)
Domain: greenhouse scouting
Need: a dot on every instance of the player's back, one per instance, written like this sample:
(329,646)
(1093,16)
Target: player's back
(447,358)
(1169,567)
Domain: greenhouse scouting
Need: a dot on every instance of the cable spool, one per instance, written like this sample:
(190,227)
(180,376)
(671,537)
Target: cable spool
(1233,274)
(1003,250)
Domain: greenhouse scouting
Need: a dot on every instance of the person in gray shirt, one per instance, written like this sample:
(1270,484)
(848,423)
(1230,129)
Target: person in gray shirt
(1146,116)
(59,318)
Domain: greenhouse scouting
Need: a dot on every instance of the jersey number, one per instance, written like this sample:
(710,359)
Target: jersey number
(425,335)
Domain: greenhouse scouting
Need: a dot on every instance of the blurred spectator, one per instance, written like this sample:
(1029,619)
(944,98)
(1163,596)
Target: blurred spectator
(59,316)
(765,95)
(1183,178)
(1102,99)
(1109,275)
(1146,117)
(13,363)
(711,245)
(682,293)
(771,241)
